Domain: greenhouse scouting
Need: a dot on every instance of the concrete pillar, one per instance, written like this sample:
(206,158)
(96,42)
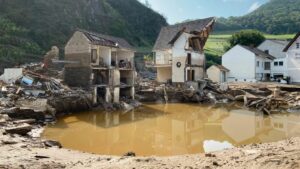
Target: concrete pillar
(132,92)
(95,95)
(116,95)
(107,95)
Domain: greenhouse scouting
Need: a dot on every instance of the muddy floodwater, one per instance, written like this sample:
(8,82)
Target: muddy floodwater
(171,129)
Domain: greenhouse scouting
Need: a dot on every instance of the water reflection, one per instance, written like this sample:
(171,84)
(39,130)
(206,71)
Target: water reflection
(171,129)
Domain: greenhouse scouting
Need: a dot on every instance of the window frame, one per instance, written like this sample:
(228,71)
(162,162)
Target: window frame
(94,60)
(280,63)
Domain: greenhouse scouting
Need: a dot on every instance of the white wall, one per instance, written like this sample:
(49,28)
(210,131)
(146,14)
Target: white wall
(275,49)
(279,70)
(164,74)
(241,64)
(293,62)
(179,54)
(163,57)
(214,74)
(260,69)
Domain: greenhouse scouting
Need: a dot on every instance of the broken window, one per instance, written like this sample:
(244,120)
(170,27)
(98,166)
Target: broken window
(94,56)
(189,59)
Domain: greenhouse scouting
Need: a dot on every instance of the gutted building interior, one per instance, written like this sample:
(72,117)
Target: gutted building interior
(104,63)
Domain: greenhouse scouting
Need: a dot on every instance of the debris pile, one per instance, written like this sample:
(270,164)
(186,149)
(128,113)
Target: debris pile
(263,97)
(30,92)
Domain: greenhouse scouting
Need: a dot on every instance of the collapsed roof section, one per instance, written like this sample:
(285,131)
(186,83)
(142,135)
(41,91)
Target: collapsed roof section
(169,34)
(106,40)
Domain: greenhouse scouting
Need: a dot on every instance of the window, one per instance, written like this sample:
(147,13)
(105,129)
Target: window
(281,63)
(189,59)
(297,45)
(267,66)
(275,63)
(257,63)
(267,51)
(94,56)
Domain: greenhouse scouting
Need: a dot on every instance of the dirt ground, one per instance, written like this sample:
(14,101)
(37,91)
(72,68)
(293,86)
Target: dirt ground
(20,152)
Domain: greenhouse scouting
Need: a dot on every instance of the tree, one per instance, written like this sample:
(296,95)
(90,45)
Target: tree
(14,44)
(245,37)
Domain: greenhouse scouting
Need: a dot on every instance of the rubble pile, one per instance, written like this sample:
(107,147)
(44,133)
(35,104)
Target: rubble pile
(262,97)
(35,93)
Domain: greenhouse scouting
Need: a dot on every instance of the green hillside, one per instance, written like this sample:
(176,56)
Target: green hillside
(274,17)
(45,23)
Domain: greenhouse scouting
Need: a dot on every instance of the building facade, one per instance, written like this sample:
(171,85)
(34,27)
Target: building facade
(179,51)
(279,65)
(293,59)
(102,62)
(217,73)
(247,64)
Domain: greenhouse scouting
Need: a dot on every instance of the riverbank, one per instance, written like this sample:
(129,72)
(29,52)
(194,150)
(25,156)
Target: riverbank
(24,152)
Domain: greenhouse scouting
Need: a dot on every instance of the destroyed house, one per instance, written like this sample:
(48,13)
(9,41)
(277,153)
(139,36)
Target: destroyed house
(103,62)
(179,51)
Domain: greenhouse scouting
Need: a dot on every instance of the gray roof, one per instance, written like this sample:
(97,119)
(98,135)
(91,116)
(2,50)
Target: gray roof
(259,52)
(168,33)
(221,67)
(281,42)
(106,40)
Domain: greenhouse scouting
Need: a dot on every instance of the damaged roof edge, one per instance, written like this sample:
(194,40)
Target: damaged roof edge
(169,34)
(106,40)
(291,42)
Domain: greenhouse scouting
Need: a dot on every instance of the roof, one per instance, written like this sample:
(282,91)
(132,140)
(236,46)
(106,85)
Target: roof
(280,42)
(169,33)
(291,42)
(221,67)
(258,52)
(106,40)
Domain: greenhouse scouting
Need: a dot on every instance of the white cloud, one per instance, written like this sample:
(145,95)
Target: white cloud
(254,6)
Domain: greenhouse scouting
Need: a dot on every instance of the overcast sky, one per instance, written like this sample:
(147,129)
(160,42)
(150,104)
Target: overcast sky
(180,10)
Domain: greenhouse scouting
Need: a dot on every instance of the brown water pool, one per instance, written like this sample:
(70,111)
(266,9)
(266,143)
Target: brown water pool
(171,129)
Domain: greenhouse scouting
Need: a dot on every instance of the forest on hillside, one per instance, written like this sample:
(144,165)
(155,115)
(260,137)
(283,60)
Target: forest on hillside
(31,27)
(274,17)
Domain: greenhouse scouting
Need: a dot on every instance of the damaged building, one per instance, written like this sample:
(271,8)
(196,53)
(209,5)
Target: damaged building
(102,62)
(179,51)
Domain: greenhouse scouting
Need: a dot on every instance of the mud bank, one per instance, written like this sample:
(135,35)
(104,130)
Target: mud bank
(24,152)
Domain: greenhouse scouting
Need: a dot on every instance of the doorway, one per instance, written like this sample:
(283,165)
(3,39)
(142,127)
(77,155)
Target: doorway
(191,75)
